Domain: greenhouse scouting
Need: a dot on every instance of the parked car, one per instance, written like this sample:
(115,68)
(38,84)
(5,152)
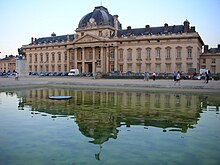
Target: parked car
(73,72)
(64,74)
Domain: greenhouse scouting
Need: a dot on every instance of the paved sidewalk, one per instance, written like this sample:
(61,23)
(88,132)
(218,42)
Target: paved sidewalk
(88,82)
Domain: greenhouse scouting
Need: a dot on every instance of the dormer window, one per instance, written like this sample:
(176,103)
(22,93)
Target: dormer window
(100,33)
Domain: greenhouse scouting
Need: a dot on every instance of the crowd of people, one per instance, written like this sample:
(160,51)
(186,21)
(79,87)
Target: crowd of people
(177,76)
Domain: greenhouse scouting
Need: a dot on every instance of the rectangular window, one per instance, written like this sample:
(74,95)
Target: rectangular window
(47,57)
(178,54)
(213,60)
(53,68)
(41,57)
(129,67)
(47,68)
(168,68)
(59,68)
(158,68)
(99,55)
(121,68)
(35,68)
(53,57)
(139,54)
(65,57)
(213,69)
(179,67)
(189,65)
(148,67)
(148,52)
(100,33)
(35,57)
(90,55)
(138,68)
(203,61)
(65,68)
(112,53)
(121,54)
(129,54)
(30,60)
(189,52)
(158,53)
(59,57)
(111,67)
(168,53)
(41,68)
(30,68)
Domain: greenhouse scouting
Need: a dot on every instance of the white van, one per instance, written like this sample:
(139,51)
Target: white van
(73,72)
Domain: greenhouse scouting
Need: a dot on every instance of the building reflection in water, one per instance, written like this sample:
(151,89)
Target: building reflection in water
(100,114)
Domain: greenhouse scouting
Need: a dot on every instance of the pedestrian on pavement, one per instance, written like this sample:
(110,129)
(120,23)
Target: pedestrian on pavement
(177,78)
(146,76)
(154,76)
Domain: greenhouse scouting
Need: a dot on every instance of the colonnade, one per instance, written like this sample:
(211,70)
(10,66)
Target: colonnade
(93,59)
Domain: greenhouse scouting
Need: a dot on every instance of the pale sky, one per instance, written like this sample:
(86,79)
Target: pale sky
(22,19)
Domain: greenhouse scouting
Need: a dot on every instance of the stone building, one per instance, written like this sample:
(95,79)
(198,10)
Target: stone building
(210,59)
(100,44)
(8,64)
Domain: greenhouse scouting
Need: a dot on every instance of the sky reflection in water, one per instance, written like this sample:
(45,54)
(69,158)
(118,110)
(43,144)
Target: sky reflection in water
(106,127)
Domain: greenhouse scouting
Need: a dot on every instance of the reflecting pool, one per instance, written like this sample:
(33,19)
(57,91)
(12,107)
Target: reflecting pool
(107,127)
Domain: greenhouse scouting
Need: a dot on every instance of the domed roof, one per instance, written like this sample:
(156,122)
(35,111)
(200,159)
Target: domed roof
(99,17)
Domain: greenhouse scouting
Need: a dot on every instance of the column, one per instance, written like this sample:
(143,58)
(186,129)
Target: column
(83,60)
(107,59)
(116,59)
(68,59)
(93,60)
(102,60)
(75,59)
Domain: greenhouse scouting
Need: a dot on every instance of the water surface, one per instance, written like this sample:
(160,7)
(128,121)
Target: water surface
(107,127)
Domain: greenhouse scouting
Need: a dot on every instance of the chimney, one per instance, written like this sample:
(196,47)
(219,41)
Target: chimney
(116,24)
(147,28)
(129,29)
(165,29)
(206,47)
(193,29)
(32,40)
(186,26)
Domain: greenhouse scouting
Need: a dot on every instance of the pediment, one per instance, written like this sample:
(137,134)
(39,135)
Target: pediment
(87,38)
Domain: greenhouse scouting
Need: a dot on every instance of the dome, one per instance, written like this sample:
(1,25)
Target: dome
(99,17)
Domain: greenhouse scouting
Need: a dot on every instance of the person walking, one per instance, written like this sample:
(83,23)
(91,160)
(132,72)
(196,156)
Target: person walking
(16,75)
(174,76)
(146,76)
(177,78)
(207,76)
(154,76)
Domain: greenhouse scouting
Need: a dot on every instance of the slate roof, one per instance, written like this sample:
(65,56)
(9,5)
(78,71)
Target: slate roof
(53,39)
(101,16)
(213,50)
(153,30)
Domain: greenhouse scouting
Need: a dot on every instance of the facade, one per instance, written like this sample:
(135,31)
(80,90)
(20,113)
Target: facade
(210,59)
(8,64)
(100,44)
